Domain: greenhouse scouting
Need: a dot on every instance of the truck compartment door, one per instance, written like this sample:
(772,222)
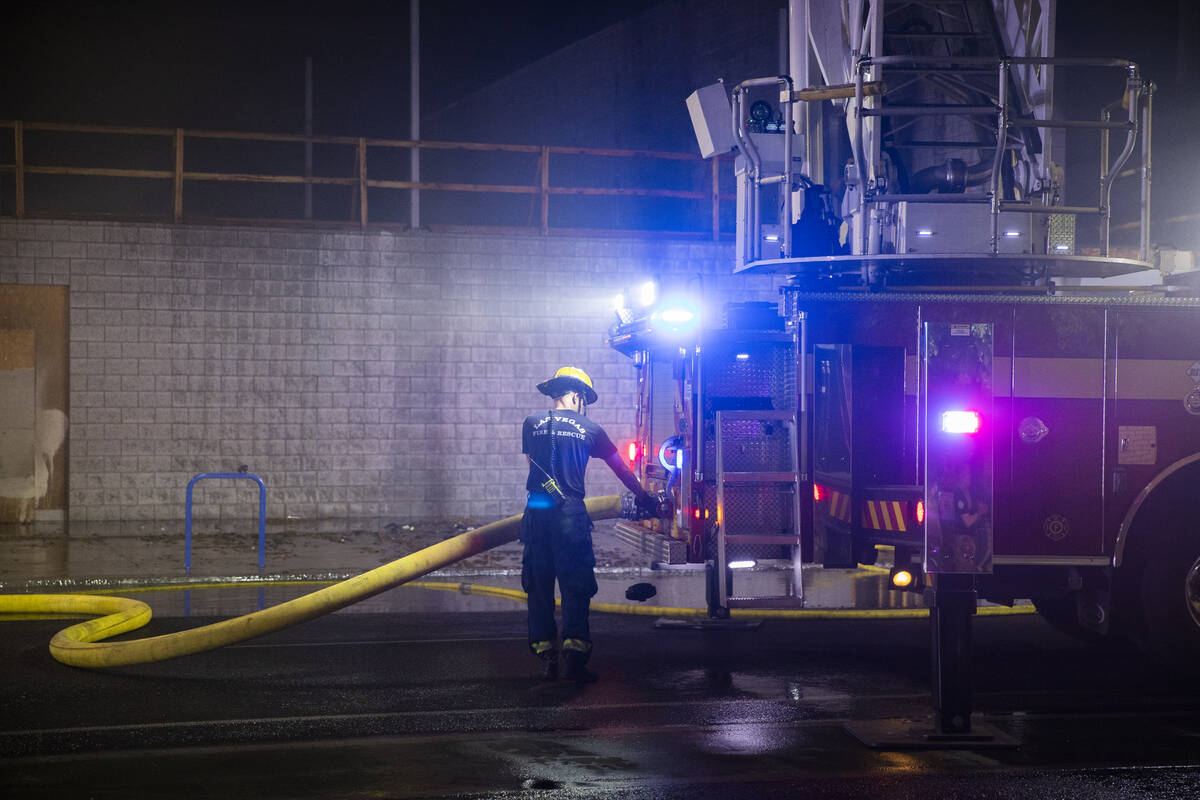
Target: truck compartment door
(1057,434)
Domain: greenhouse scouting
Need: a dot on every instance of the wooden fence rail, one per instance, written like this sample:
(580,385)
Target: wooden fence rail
(543,189)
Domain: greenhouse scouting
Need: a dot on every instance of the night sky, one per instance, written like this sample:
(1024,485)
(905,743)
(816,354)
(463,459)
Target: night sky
(230,65)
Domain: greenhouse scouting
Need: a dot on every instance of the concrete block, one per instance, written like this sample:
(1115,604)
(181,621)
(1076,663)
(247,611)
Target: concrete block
(69,249)
(154,234)
(34,249)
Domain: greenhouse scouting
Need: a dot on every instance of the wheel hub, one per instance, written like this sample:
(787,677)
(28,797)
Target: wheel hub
(1191,587)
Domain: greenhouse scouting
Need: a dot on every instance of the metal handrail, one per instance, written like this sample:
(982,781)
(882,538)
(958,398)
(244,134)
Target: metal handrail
(757,179)
(1139,94)
(540,187)
(262,515)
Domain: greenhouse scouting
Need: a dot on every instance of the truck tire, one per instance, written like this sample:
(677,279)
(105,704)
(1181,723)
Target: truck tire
(1170,597)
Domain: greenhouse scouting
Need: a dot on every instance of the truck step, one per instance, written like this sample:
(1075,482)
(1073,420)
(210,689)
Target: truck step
(655,546)
(781,601)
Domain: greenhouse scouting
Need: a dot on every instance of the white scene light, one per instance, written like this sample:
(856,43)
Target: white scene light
(677,315)
(648,293)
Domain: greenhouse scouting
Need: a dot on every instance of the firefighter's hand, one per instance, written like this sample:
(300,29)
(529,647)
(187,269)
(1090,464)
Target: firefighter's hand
(647,505)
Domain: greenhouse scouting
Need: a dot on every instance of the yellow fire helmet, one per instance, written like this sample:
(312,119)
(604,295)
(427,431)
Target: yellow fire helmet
(569,379)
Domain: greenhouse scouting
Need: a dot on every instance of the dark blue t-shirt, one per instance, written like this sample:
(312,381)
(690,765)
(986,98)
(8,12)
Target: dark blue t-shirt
(576,439)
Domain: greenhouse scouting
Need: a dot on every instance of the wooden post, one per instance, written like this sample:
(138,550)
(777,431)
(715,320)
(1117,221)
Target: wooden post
(362,182)
(545,157)
(19,147)
(177,204)
(716,200)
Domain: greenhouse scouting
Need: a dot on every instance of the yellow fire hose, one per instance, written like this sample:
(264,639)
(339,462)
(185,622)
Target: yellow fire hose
(756,613)
(81,645)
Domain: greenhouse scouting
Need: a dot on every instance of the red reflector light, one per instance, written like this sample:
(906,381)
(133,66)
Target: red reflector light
(919,512)
(960,422)
(818,493)
(696,514)
(632,451)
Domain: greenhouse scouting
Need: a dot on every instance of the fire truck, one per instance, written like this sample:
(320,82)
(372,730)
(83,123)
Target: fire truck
(951,371)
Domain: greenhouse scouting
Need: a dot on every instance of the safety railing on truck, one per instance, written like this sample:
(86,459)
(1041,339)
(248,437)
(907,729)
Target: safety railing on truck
(555,179)
(1137,99)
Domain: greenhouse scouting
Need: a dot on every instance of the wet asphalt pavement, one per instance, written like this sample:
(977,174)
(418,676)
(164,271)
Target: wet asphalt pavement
(447,704)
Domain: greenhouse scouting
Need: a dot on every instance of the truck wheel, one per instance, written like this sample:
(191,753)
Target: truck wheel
(1171,598)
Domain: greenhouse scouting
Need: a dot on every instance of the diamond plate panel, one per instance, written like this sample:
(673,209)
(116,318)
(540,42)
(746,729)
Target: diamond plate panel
(1062,235)
(755,446)
(750,446)
(768,371)
(762,510)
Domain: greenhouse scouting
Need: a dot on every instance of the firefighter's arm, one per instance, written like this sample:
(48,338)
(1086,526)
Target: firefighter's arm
(645,500)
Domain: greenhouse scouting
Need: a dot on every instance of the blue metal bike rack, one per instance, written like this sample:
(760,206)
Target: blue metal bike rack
(262,516)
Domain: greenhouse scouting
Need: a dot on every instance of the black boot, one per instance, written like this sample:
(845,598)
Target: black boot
(576,668)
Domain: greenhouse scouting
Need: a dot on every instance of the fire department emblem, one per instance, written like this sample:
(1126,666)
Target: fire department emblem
(1056,527)
(1192,402)
(1032,430)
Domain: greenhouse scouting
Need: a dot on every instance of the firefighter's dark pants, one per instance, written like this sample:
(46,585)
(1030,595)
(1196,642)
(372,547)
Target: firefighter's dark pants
(558,545)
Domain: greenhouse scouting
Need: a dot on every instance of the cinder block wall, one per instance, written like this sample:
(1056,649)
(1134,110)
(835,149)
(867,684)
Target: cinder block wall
(361,375)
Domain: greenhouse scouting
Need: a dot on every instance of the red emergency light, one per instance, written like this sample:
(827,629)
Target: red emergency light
(960,422)
(631,453)
(818,493)
(919,512)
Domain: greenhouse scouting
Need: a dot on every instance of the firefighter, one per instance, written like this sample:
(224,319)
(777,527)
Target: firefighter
(555,528)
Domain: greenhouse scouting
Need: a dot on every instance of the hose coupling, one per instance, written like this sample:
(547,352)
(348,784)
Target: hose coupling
(629,509)
(664,507)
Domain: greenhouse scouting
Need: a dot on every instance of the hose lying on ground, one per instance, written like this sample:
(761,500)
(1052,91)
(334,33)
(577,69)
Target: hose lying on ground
(755,613)
(81,646)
